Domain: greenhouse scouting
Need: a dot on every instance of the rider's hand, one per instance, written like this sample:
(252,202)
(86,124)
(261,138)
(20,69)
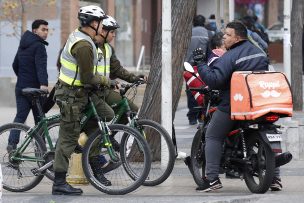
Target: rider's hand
(114,84)
(141,77)
(43,87)
(199,56)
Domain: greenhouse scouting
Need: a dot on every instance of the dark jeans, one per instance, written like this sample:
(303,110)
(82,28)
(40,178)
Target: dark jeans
(220,125)
(193,113)
(24,105)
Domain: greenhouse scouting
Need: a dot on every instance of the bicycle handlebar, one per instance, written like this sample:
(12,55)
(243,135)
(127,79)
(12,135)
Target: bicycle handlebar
(125,87)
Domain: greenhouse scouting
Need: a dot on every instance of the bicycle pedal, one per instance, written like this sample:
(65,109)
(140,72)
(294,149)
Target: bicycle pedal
(35,171)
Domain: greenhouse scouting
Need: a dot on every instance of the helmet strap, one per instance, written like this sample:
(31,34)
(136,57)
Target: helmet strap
(105,37)
(96,30)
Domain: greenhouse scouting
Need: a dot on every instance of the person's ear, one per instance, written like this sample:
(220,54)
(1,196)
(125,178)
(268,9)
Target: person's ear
(238,38)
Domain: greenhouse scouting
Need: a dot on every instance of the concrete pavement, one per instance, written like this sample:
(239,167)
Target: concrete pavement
(180,186)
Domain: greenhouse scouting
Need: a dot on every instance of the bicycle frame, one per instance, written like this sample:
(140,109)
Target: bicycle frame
(89,113)
(123,108)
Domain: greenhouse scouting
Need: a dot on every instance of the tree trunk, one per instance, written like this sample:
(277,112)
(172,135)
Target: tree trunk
(23,17)
(297,54)
(182,16)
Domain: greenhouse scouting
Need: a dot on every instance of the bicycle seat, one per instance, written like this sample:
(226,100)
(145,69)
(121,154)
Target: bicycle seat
(34,92)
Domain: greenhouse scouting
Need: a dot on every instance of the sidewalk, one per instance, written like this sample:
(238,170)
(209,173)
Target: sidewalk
(180,186)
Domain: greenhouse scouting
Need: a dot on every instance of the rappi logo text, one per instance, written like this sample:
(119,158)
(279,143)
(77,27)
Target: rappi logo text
(269,85)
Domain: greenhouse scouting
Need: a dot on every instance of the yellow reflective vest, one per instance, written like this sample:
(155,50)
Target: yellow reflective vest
(69,72)
(103,65)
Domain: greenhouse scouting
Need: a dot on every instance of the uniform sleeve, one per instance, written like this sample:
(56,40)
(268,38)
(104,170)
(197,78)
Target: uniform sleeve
(83,53)
(41,64)
(117,71)
(217,76)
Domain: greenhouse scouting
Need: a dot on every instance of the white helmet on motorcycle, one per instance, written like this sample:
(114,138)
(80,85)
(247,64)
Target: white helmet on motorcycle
(110,24)
(87,14)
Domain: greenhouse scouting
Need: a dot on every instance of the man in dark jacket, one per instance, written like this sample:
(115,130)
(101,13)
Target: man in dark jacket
(241,55)
(30,67)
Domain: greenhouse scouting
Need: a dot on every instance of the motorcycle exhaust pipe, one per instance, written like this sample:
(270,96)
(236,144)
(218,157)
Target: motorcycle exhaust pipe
(283,159)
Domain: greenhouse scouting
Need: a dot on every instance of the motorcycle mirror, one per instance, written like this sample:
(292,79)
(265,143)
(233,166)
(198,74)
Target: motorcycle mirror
(188,67)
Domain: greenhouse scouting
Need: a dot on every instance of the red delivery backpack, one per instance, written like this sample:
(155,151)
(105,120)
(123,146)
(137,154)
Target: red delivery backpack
(195,82)
(254,94)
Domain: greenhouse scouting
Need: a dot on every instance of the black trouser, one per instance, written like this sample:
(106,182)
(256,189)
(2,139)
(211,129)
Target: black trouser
(220,125)
(24,105)
(193,113)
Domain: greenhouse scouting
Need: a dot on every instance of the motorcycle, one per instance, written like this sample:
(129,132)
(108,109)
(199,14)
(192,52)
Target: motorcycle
(251,151)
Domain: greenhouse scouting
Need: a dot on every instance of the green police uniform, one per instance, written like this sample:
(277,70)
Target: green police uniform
(110,67)
(78,60)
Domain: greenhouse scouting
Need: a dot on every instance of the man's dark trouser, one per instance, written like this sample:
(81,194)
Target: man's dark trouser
(193,113)
(24,105)
(220,125)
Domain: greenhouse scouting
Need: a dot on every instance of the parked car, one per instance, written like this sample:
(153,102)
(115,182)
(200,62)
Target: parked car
(275,32)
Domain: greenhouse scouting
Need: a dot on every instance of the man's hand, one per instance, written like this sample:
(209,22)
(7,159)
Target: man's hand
(114,84)
(199,56)
(43,87)
(141,77)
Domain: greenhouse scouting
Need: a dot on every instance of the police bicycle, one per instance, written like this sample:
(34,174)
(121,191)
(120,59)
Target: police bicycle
(24,167)
(162,148)
(159,140)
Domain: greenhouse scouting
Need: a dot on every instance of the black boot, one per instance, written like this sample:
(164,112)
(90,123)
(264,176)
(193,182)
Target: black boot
(97,171)
(61,187)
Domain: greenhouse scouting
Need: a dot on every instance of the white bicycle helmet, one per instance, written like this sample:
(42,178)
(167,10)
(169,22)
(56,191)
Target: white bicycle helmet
(110,24)
(87,14)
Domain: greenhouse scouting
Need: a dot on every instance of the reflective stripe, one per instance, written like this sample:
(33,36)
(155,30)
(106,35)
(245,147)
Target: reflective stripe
(249,57)
(69,72)
(67,64)
(193,78)
(103,66)
(69,80)
(197,95)
(190,80)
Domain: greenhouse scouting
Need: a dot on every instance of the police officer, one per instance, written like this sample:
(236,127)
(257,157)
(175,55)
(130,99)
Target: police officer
(78,58)
(110,66)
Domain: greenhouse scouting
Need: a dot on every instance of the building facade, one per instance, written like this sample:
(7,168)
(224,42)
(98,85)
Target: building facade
(138,20)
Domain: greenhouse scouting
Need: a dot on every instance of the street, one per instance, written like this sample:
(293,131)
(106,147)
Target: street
(180,186)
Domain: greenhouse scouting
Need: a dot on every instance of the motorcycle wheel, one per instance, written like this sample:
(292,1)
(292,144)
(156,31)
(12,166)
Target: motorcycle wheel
(198,161)
(259,174)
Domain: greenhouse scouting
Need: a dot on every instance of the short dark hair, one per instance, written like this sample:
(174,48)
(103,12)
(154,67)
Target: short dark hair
(212,16)
(199,20)
(216,40)
(38,22)
(240,28)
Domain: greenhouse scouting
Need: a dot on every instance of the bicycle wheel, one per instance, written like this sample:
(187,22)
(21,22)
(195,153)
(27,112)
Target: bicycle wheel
(134,156)
(198,161)
(162,151)
(53,130)
(17,174)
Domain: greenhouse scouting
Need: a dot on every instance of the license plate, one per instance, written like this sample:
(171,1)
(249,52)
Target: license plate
(274,137)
